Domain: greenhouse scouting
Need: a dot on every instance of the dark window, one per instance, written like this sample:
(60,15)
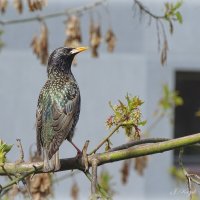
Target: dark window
(186,122)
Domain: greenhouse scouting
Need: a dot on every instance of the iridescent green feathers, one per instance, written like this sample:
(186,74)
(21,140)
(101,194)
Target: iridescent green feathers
(58,107)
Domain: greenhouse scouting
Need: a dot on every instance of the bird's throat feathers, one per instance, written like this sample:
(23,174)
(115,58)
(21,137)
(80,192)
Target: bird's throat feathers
(59,69)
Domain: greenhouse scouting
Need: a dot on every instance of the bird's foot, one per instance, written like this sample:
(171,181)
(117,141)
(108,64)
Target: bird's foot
(82,153)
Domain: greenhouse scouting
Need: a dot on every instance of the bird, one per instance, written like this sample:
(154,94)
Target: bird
(58,107)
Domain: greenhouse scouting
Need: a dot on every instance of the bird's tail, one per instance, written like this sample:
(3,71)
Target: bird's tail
(52,164)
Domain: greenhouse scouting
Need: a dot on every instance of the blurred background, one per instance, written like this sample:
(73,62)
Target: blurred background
(134,67)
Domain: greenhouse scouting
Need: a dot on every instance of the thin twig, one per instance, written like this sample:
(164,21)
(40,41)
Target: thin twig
(159,26)
(105,139)
(195,178)
(68,175)
(188,177)
(94,178)
(103,193)
(21,151)
(145,10)
(17,180)
(10,177)
(85,157)
(77,10)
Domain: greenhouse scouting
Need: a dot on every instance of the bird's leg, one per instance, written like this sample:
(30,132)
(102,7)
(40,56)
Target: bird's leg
(79,152)
(82,153)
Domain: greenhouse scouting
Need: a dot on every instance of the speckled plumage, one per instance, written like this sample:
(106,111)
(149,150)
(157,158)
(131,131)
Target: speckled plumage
(58,106)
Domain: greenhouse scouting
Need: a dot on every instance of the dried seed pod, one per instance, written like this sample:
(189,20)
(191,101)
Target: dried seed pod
(95,38)
(141,164)
(163,56)
(3,5)
(36,4)
(18,5)
(35,44)
(40,186)
(74,191)
(125,171)
(44,44)
(73,32)
(40,44)
(110,40)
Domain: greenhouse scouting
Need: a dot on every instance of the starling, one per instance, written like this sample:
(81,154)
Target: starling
(58,107)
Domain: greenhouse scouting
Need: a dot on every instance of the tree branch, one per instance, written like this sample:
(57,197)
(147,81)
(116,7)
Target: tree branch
(138,142)
(142,150)
(106,157)
(145,10)
(78,10)
(18,179)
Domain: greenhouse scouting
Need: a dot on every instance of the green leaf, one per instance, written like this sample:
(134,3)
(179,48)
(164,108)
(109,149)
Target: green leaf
(166,91)
(198,113)
(4,149)
(167,6)
(178,101)
(178,5)
(105,180)
(142,123)
(178,174)
(179,17)
(110,104)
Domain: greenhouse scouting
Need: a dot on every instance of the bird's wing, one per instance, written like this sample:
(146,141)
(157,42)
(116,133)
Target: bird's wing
(62,122)
(39,113)
(38,129)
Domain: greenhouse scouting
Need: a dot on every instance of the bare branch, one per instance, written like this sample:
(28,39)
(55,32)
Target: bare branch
(94,178)
(21,151)
(78,10)
(191,178)
(106,157)
(100,189)
(159,26)
(16,180)
(138,142)
(142,8)
(26,169)
(84,151)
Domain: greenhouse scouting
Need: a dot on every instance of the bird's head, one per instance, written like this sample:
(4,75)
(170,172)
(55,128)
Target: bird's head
(61,59)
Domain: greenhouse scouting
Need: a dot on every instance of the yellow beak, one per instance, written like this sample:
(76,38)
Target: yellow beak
(78,50)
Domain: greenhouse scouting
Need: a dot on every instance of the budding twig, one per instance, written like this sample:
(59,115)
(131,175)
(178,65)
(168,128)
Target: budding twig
(105,139)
